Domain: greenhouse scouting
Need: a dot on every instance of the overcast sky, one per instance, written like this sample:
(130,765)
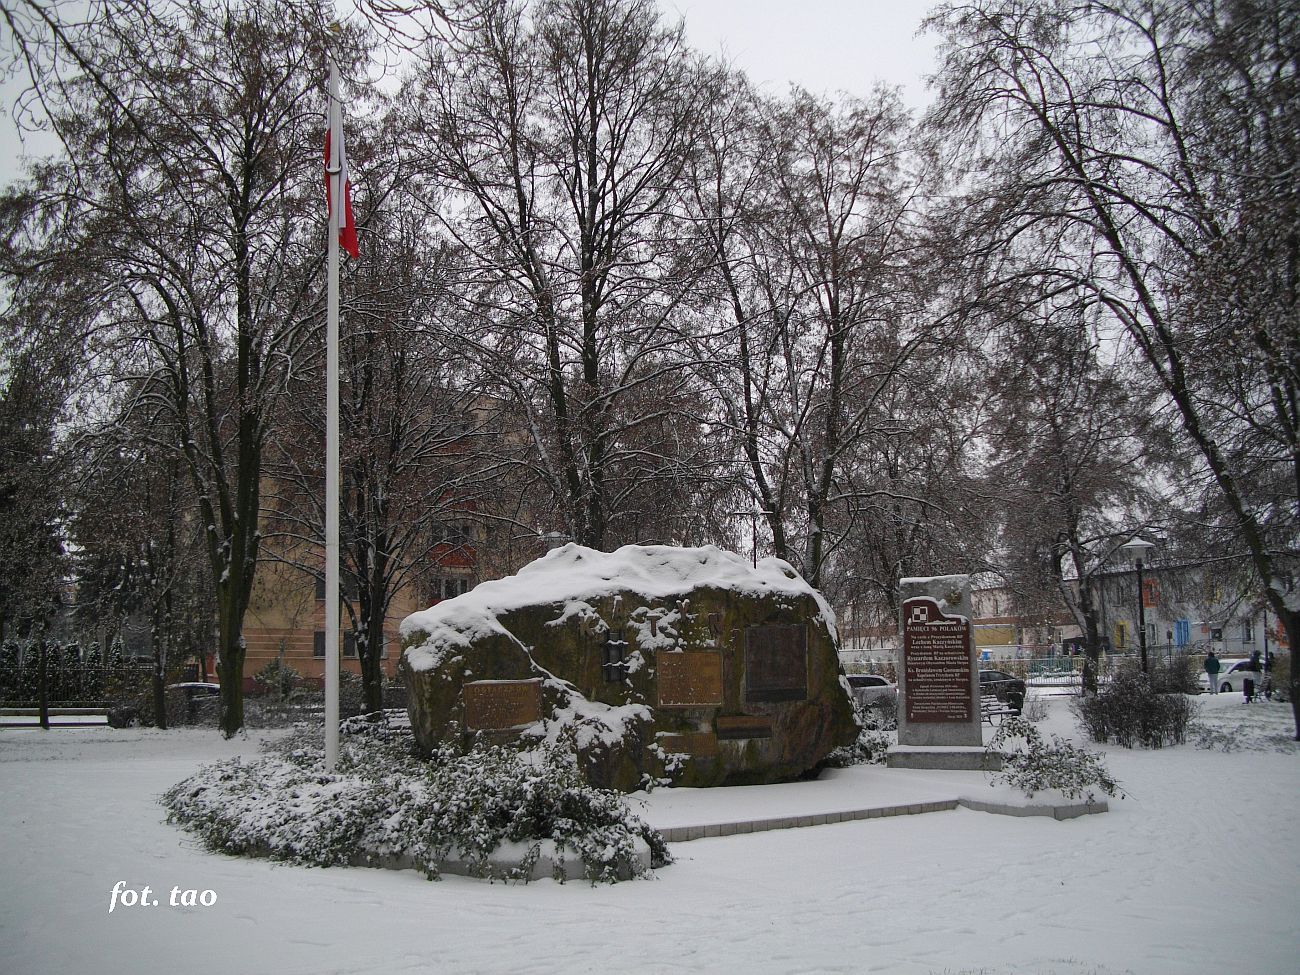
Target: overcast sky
(822,45)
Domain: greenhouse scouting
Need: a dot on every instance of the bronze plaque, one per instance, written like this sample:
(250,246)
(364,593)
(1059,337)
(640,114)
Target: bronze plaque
(496,705)
(776,663)
(936,664)
(697,744)
(689,679)
(736,726)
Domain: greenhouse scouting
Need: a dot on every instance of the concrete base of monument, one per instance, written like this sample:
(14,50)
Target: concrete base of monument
(956,758)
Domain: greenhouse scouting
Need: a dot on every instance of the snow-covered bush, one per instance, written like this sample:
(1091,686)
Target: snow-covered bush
(878,729)
(1133,709)
(1177,674)
(1035,765)
(383,802)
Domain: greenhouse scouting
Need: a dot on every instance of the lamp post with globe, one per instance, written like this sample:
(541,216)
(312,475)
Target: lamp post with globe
(1137,549)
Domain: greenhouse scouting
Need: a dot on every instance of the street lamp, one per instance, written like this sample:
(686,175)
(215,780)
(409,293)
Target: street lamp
(1137,549)
(753,517)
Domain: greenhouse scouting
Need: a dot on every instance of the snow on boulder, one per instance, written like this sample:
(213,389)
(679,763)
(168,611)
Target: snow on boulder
(680,665)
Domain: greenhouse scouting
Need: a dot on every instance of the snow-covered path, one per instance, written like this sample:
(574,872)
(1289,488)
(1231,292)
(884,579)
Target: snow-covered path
(1192,873)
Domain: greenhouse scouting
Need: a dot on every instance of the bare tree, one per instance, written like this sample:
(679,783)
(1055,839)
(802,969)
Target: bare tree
(1157,141)
(808,215)
(561,131)
(191,132)
(1074,446)
(416,467)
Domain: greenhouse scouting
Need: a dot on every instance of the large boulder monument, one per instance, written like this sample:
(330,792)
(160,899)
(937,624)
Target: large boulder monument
(666,665)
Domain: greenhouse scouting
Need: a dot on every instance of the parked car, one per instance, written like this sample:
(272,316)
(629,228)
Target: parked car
(1006,688)
(871,689)
(197,688)
(190,698)
(1234,673)
(1225,664)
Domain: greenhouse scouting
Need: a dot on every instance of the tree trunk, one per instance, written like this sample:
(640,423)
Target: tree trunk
(1291,625)
(1092,652)
(159,698)
(230,665)
(43,686)
(370,645)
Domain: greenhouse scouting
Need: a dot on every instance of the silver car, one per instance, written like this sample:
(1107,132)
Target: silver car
(871,689)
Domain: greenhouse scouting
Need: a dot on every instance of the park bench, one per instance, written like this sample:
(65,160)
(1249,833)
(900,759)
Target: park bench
(991,707)
(59,717)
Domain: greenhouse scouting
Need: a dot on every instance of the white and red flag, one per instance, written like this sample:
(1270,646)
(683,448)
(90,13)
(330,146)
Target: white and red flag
(347,224)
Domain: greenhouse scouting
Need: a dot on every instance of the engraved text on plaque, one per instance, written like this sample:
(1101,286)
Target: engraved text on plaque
(936,651)
(689,679)
(495,705)
(776,663)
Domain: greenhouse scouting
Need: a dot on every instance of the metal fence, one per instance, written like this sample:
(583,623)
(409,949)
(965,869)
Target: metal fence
(70,681)
(1181,664)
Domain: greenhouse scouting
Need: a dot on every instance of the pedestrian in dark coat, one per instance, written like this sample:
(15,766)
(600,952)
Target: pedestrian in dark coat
(1248,682)
(1212,668)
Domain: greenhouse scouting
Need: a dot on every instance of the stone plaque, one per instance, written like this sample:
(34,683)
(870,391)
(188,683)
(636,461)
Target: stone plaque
(776,663)
(688,679)
(937,662)
(697,744)
(732,727)
(497,705)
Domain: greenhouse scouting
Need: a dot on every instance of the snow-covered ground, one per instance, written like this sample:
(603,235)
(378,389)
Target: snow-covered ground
(1193,872)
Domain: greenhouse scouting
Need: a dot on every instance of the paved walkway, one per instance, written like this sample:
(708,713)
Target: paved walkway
(838,796)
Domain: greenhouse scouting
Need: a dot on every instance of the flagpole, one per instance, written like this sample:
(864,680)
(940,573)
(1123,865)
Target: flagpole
(332,432)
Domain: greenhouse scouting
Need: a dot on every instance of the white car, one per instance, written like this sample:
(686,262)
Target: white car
(1233,674)
(871,689)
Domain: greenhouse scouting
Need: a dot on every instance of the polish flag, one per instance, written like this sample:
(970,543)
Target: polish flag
(347,224)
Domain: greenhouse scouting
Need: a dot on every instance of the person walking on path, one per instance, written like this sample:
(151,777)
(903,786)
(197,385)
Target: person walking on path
(1212,668)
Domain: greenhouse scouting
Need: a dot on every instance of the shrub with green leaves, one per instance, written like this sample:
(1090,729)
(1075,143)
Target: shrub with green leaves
(1034,765)
(384,802)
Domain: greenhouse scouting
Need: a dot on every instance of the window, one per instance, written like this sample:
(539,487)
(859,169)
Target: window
(347,586)
(1247,631)
(1150,593)
(450,588)
(349,644)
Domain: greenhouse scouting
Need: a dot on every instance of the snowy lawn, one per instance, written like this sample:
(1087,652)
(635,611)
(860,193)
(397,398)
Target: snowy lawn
(1192,873)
